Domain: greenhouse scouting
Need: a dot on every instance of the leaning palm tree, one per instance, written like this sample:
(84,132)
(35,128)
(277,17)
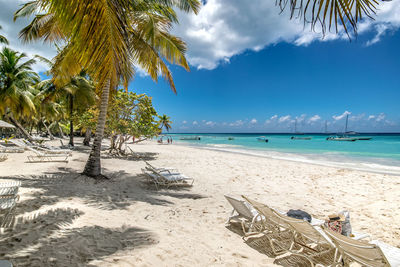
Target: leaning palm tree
(108,38)
(16,87)
(165,122)
(3,39)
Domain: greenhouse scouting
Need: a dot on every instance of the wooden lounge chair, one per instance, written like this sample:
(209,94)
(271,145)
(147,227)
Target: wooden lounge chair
(42,156)
(244,214)
(8,149)
(167,179)
(373,254)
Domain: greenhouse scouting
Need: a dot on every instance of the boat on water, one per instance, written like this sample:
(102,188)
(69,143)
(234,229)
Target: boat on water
(300,138)
(299,133)
(190,138)
(345,135)
(262,139)
(341,138)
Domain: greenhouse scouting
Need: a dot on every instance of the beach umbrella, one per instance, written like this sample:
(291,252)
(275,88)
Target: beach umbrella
(4,124)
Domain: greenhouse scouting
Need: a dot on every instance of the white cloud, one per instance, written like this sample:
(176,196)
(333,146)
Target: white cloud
(236,123)
(380,117)
(357,117)
(314,118)
(195,123)
(225,28)
(210,123)
(184,122)
(339,117)
(284,118)
(273,118)
(222,29)
(253,121)
(301,118)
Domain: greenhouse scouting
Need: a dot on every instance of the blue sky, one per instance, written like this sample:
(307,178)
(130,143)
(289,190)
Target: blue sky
(317,82)
(255,70)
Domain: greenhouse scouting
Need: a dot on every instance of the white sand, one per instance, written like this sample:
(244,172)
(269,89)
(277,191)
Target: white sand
(64,219)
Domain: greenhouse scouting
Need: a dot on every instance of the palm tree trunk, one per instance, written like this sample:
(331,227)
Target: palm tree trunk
(71,123)
(19,126)
(86,140)
(48,130)
(93,165)
(61,131)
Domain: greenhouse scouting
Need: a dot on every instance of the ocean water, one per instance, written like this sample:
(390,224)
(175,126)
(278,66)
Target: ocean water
(380,154)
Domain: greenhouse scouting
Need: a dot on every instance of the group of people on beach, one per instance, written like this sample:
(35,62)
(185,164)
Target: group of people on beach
(161,140)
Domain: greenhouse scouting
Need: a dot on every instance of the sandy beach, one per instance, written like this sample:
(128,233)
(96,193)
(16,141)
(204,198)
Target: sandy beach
(66,219)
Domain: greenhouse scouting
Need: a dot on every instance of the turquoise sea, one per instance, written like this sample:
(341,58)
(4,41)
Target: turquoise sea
(380,154)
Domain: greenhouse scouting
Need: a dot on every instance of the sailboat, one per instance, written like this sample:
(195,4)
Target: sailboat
(344,137)
(298,133)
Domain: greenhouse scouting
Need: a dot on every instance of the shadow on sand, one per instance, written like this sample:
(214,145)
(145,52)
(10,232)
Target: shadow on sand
(43,236)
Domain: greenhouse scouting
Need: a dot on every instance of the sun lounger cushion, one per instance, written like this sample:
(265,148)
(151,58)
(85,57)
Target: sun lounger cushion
(392,254)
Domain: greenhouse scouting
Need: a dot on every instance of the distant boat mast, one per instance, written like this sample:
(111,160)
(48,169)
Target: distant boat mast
(347,121)
(326,127)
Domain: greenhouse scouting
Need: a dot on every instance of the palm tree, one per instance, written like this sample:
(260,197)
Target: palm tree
(77,95)
(331,13)
(3,39)
(165,122)
(16,91)
(108,38)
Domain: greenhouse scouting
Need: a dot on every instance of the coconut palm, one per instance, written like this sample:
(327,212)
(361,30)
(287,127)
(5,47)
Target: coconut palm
(16,91)
(330,14)
(165,122)
(77,95)
(108,39)
(3,39)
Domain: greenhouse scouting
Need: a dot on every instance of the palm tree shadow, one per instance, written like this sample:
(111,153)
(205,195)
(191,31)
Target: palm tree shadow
(46,240)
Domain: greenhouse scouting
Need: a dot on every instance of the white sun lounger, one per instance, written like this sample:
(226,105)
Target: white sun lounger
(162,169)
(8,200)
(167,179)
(43,156)
(8,149)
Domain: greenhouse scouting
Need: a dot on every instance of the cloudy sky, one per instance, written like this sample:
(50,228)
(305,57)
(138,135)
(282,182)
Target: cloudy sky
(253,69)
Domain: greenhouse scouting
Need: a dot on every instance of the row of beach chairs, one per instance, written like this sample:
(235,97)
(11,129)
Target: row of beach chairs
(166,176)
(314,242)
(41,153)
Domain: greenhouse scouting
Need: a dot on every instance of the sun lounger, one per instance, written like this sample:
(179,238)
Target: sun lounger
(51,150)
(43,156)
(244,214)
(162,169)
(277,232)
(167,179)
(8,149)
(8,200)
(375,253)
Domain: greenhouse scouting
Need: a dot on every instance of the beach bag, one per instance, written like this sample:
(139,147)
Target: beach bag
(299,214)
(340,223)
